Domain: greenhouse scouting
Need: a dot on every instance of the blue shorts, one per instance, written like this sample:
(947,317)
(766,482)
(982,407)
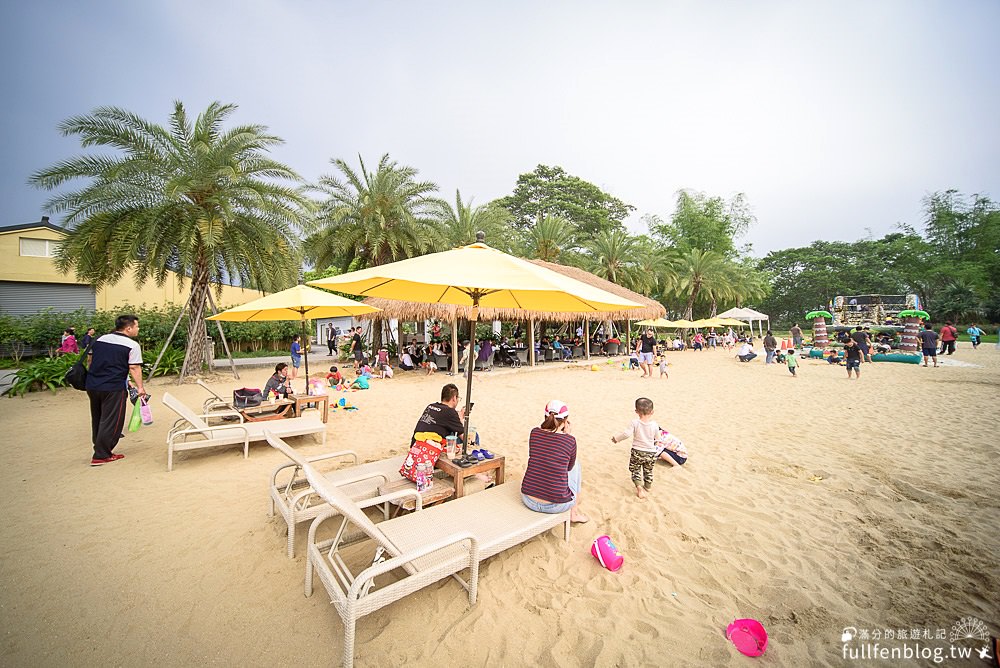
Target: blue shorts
(930,352)
(556,508)
(296,362)
(646,358)
(853,364)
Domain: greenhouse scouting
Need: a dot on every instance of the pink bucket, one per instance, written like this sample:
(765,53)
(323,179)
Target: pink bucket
(748,635)
(607,554)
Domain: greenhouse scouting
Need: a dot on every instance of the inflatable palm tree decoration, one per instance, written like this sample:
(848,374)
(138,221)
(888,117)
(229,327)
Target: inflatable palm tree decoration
(911,329)
(820,338)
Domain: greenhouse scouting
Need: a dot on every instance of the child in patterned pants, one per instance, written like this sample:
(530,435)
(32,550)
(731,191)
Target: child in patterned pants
(644,432)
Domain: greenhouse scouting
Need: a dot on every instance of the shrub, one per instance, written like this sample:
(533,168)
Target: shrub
(42,373)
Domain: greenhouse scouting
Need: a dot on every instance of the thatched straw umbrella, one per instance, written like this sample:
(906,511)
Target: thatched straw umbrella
(416,311)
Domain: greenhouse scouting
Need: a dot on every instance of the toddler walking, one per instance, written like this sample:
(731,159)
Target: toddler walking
(644,432)
(663,368)
(792,362)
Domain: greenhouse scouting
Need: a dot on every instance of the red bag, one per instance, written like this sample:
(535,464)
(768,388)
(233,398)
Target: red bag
(421,452)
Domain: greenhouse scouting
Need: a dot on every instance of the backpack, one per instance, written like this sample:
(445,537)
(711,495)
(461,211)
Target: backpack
(76,377)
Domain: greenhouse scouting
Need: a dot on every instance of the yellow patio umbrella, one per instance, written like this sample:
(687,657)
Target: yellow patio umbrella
(656,323)
(728,322)
(703,322)
(476,275)
(684,324)
(298,303)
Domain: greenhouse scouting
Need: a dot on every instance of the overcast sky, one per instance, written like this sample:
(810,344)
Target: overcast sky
(834,118)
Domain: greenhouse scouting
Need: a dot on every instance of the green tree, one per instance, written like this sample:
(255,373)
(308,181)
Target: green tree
(196,199)
(699,270)
(463,220)
(550,191)
(614,256)
(551,237)
(709,224)
(369,219)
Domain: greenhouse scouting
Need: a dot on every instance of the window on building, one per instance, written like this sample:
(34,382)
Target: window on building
(37,247)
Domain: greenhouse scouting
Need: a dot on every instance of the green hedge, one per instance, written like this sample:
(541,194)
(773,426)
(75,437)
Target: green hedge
(42,332)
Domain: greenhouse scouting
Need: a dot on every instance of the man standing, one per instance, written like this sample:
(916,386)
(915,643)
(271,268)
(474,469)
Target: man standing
(646,346)
(331,339)
(356,348)
(948,337)
(441,416)
(796,333)
(928,343)
(770,345)
(114,357)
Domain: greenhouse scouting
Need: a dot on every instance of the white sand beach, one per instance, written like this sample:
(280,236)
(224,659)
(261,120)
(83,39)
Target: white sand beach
(810,503)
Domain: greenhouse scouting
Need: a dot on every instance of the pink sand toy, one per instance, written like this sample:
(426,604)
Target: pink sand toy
(607,554)
(748,635)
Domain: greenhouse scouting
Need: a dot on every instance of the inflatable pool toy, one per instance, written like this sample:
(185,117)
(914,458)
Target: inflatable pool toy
(607,554)
(748,635)
(906,358)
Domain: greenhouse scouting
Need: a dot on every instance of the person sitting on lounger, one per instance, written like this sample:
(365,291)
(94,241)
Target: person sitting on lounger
(551,482)
(278,383)
(441,416)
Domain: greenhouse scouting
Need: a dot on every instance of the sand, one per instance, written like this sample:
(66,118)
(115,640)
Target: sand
(811,503)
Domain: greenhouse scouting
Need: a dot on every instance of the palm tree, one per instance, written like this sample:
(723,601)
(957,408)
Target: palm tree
(198,200)
(614,255)
(463,220)
(372,218)
(696,271)
(550,237)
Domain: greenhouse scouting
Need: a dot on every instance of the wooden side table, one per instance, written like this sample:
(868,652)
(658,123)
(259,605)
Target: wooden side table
(459,474)
(322,402)
(276,410)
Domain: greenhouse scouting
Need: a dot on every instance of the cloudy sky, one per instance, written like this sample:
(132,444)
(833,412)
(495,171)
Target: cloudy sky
(834,118)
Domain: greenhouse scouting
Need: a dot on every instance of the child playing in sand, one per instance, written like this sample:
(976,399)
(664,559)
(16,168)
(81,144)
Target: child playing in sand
(671,449)
(792,362)
(431,367)
(633,361)
(663,368)
(334,378)
(643,431)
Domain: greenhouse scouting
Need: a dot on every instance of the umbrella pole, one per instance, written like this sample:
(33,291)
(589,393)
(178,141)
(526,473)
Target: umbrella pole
(470,364)
(305,350)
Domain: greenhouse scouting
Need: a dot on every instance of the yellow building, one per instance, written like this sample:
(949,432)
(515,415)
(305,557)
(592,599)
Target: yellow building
(30,282)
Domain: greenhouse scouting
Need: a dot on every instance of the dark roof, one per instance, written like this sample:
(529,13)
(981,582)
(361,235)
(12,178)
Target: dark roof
(44,222)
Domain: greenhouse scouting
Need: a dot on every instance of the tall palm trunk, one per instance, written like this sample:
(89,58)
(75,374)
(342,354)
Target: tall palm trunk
(689,309)
(715,308)
(196,355)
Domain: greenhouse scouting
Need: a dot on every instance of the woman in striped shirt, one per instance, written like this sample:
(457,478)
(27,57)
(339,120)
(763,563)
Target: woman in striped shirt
(552,482)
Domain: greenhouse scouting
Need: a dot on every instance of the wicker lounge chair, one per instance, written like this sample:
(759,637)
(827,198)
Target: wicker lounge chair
(296,500)
(191,431)
(427,545)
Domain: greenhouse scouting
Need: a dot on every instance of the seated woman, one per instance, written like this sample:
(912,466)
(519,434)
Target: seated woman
(551,482)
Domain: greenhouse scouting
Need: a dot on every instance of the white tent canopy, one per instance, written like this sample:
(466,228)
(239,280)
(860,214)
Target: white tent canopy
(749,315)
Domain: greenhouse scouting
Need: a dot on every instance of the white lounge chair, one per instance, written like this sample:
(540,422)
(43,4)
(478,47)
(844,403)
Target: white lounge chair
(296,500)
(427,545)
(192,431)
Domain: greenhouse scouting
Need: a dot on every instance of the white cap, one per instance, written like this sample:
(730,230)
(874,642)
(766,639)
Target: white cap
(557,408)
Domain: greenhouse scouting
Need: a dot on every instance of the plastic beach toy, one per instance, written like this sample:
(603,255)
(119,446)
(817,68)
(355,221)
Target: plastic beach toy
(607,554)
(748,635)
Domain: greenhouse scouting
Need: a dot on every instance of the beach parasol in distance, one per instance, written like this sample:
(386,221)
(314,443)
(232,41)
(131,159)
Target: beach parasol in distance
(477,276)
(298,303)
